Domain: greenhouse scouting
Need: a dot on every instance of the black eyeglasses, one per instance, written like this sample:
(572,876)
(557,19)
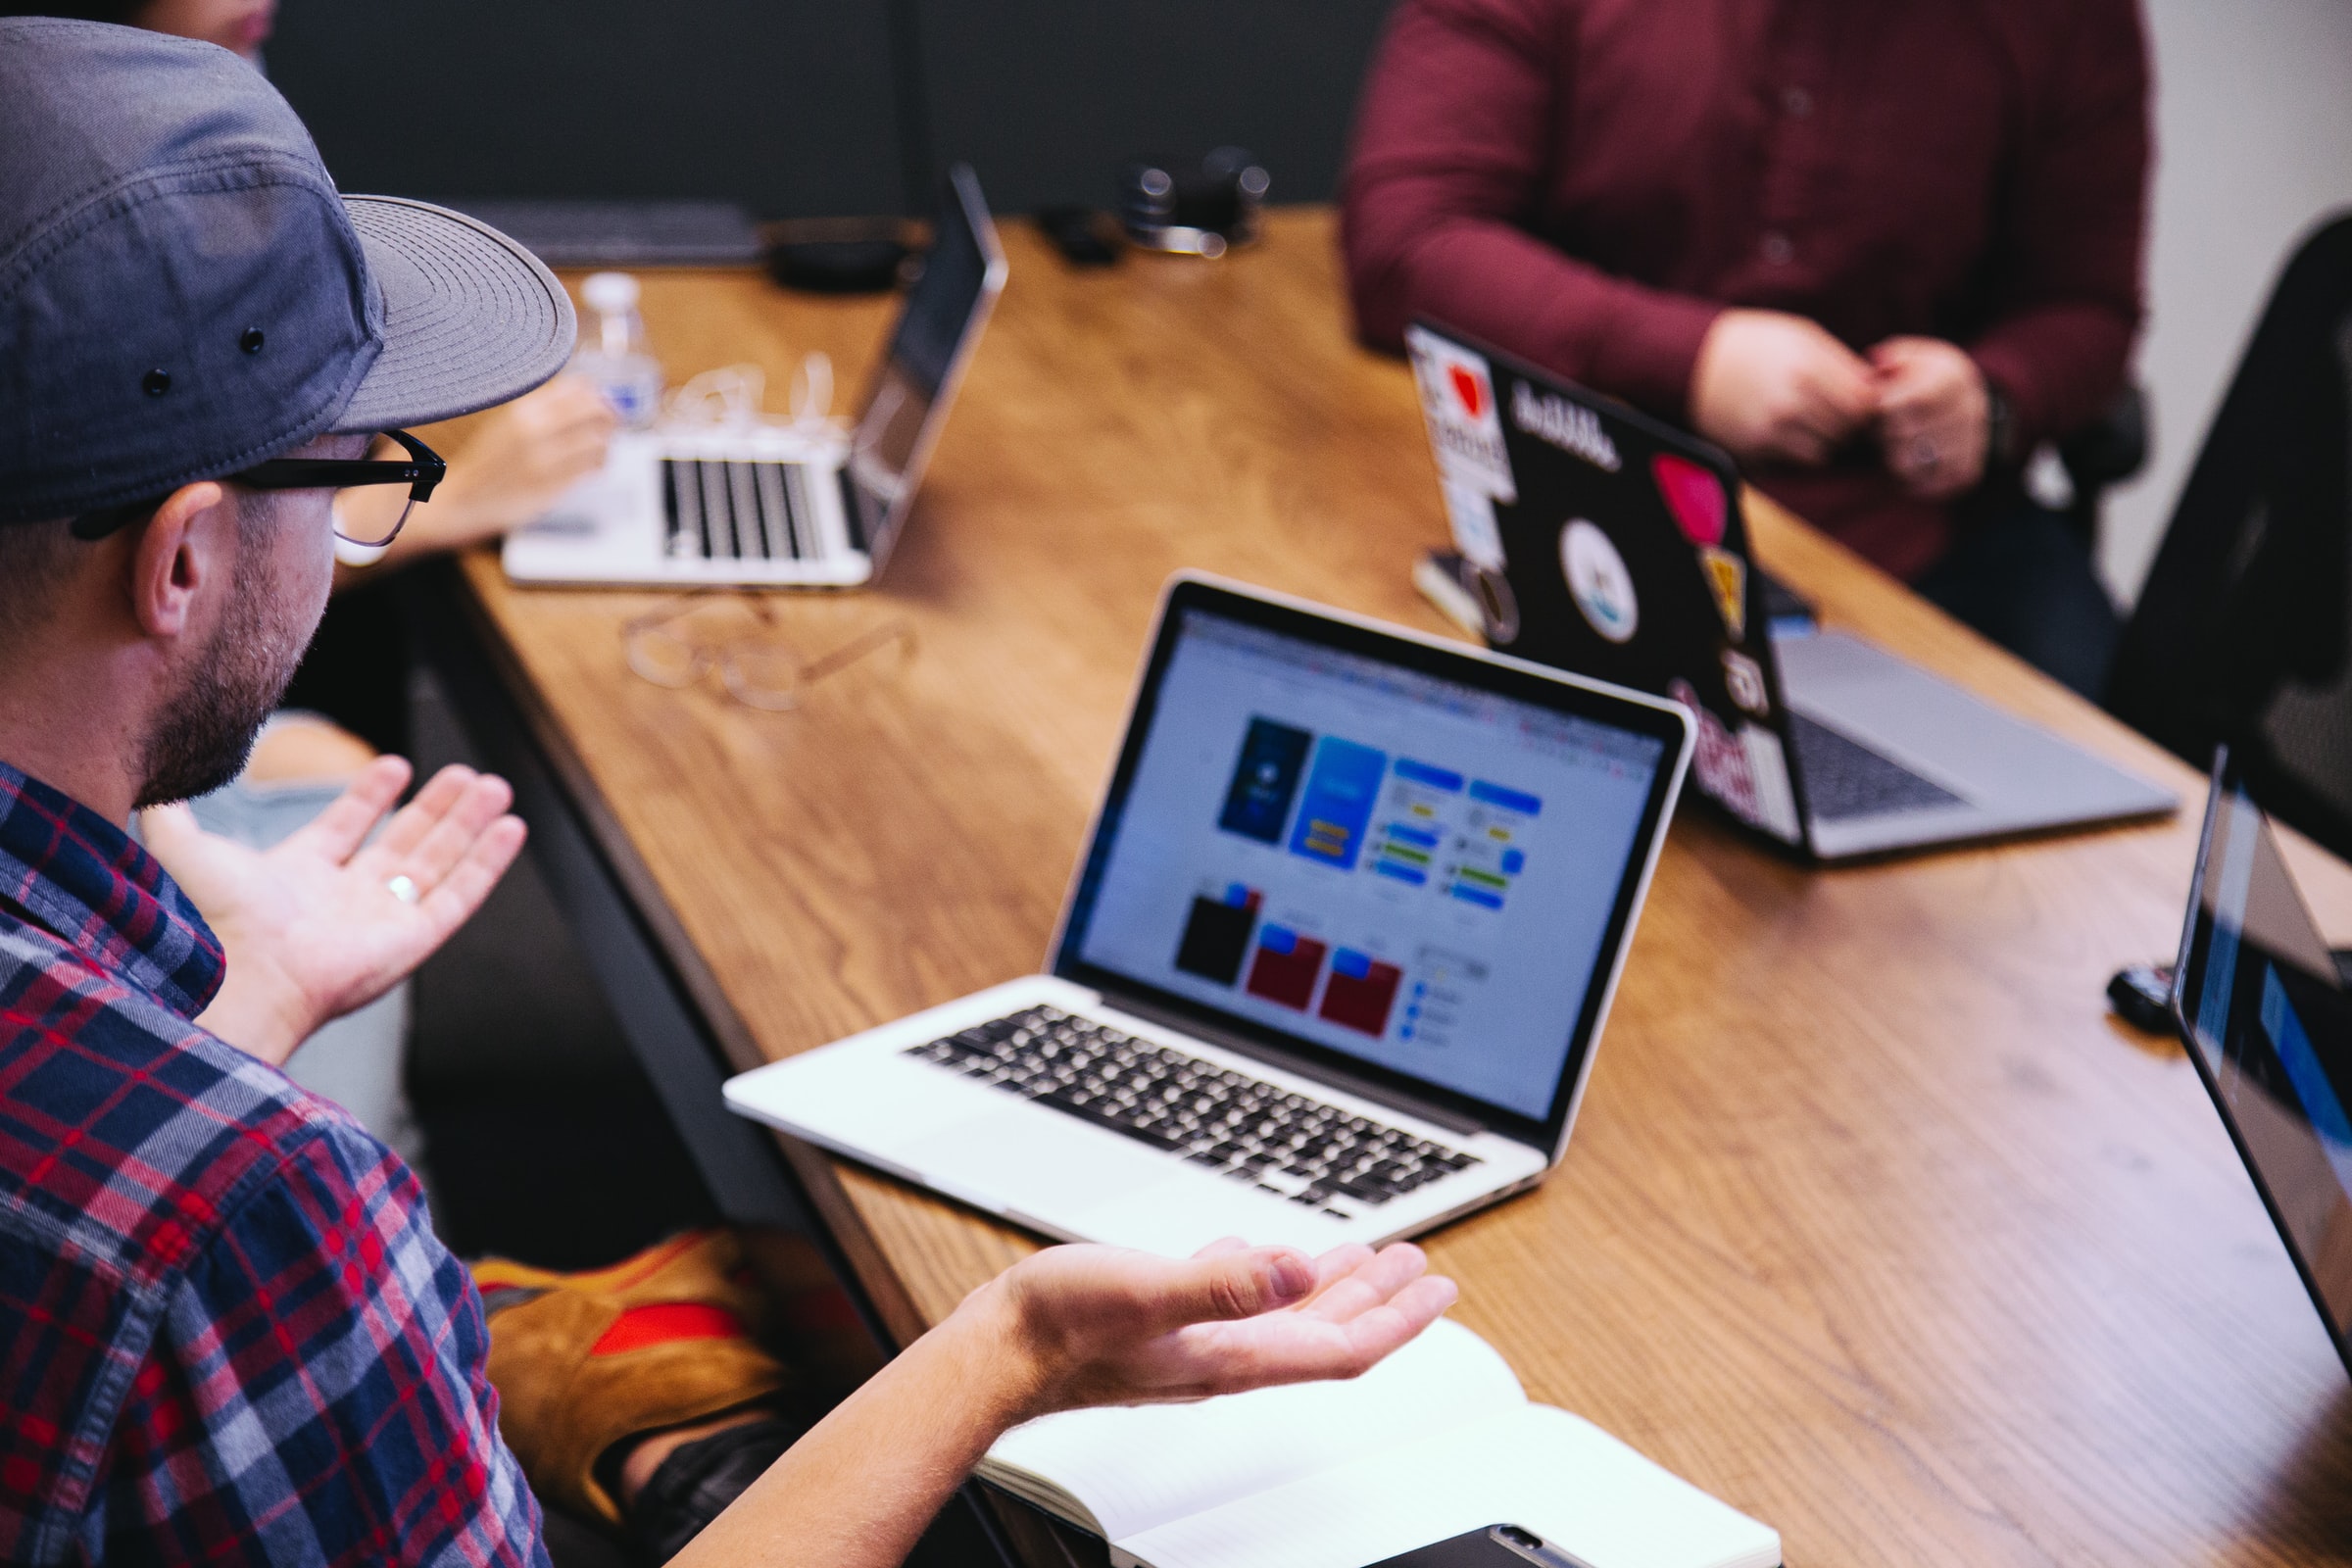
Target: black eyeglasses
(423,470)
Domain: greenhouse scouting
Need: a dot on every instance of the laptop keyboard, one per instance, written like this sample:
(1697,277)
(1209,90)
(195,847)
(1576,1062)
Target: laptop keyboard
(1286,1144)
(738,511)
(1845,778)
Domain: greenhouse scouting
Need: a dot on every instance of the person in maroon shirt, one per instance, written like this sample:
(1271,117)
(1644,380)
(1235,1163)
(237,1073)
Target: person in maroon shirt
(1875,251)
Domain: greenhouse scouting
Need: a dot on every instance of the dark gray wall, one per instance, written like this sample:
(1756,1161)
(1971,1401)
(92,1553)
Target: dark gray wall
(785,106)
(800,109)
(1046,98)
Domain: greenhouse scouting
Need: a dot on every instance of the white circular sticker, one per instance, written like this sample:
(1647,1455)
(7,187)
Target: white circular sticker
(1597,580)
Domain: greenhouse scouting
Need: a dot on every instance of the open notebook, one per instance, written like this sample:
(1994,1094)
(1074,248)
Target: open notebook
(1435,1441)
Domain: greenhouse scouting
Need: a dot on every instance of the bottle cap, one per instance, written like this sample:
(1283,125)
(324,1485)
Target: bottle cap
(610,291)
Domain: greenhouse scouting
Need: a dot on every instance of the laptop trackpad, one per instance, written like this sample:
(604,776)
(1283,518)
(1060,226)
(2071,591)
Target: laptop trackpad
(1039,1162)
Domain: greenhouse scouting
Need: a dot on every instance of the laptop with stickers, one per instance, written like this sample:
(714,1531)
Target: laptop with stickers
(1607,543)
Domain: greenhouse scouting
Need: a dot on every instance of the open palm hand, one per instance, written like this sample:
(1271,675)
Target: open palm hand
(1108,1326)
(328,920)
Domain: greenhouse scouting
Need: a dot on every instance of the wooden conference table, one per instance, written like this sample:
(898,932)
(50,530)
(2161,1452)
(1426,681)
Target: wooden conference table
(1875,1224)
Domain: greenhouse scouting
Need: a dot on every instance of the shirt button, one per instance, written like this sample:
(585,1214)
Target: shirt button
(1778,249)
(1795,102)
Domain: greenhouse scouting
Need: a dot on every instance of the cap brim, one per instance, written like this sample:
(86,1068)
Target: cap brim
(470,318)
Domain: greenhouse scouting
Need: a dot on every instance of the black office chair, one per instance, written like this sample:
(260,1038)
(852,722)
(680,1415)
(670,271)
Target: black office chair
(2105,453)
(2240,634)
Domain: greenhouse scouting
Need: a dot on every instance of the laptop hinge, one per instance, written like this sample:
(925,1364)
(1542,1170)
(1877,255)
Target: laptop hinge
(853,516)
(1452,1120)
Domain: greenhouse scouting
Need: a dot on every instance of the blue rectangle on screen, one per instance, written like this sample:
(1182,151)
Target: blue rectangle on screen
(1257,799)
(1402,873)
(1515,861)
(1510,799)
(1237,894)
(1419,836)
(1436,778)
(1277,938)
(1351,963)
(1478,895)
(1336,805)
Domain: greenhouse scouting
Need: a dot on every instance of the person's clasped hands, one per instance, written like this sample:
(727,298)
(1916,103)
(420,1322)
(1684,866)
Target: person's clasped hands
(1774,387)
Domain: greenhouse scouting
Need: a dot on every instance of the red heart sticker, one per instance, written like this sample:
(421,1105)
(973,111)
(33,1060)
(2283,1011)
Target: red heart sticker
(1693,494)
(1467,390)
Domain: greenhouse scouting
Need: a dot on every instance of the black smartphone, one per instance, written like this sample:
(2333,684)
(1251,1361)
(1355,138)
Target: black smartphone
(1496,1547)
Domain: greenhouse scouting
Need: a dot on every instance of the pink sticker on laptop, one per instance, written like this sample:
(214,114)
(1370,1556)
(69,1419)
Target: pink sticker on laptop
(1693,495)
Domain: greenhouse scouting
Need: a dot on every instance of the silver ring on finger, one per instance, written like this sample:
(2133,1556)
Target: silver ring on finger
(404,888)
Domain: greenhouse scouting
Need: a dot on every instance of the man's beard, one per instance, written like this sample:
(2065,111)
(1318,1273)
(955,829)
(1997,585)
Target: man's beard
(202,738)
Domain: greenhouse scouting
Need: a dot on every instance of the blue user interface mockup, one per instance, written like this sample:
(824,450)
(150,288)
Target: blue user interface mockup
(1417,873)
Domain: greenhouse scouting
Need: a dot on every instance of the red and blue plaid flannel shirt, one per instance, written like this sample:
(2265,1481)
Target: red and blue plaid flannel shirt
(228,1333)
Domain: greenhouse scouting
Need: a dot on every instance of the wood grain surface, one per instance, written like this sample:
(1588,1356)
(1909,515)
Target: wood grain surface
(1876,1223)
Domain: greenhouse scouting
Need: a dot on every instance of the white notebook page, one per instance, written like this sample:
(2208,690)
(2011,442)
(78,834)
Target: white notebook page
(1535,1466)
(1137,1466)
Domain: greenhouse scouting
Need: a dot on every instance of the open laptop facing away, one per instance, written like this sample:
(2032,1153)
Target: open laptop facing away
(1611,544)
(1331,969)
(781,504)
(2262,1004)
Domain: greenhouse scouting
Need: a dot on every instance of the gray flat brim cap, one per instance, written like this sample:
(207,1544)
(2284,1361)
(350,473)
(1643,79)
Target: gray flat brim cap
(184,293)
(471,318)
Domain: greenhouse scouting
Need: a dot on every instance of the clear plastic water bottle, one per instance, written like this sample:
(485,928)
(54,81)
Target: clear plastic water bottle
(611,350)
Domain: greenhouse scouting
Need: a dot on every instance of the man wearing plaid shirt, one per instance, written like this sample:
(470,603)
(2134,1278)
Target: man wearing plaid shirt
(228,1333)
(228,1328)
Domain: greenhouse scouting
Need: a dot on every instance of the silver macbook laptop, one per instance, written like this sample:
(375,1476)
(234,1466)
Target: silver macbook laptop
(778,504)
(1331,969)
(1607,543)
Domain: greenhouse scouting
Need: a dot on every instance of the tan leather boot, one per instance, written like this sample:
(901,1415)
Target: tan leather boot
(583,1360)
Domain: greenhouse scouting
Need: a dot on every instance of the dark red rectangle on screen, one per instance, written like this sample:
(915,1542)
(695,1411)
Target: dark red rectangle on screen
(1285,968)
(1362,999)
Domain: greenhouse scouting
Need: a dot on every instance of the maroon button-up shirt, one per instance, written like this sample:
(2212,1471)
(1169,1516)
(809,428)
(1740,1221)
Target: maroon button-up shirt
(1588,182)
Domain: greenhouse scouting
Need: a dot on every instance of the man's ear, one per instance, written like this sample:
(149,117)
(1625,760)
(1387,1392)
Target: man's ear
(189,541)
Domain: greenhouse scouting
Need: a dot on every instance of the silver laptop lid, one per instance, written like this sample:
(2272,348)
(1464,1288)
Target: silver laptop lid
(1410,863)
(929,350)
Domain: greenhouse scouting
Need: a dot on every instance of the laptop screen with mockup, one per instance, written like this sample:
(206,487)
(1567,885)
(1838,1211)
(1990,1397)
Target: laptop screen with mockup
(1422,876)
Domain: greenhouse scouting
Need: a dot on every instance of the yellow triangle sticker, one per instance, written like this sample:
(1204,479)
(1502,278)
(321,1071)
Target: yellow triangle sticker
(1727,574)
